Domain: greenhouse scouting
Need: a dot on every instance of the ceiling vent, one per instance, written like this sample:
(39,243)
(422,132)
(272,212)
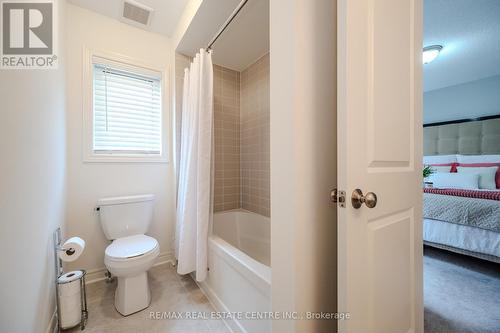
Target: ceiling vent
(135,12)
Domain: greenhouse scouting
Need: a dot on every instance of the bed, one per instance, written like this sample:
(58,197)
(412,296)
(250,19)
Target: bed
(461,202)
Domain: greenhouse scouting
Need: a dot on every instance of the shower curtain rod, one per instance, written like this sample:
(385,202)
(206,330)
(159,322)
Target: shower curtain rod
(226,24)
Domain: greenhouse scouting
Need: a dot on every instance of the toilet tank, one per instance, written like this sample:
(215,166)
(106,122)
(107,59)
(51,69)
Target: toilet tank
(125,216)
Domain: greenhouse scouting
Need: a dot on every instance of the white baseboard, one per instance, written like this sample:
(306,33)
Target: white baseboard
(164,258)
(52,327)
(232,324)
(96,275)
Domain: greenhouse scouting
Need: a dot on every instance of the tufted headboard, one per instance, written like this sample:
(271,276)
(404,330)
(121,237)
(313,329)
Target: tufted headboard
(466,137)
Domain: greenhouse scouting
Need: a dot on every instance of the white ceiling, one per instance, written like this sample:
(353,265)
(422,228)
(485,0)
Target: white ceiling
(469,31)
(242,43)
(164,19)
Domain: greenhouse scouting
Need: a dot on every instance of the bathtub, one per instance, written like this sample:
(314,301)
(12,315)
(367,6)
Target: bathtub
(239,277)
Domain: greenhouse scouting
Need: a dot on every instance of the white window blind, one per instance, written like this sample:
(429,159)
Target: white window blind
(127,112)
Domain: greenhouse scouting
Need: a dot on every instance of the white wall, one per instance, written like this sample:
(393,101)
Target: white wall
(187,16)
(303,161)
(87,182)
(464,101)
(32,170)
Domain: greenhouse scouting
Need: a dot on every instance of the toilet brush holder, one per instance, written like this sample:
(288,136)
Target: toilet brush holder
(71,295)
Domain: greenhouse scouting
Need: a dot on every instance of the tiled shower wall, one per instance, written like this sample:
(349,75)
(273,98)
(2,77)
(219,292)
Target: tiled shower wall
(241,136)
(227,191)
(254,133)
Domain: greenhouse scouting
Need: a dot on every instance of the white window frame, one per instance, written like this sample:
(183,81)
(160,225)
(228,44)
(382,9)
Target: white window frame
(125,63)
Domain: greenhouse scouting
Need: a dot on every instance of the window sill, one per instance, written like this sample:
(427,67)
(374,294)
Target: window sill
(118,158)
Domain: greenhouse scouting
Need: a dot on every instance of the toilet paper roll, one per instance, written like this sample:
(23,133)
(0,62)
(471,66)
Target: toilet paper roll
(74,249)
(71,314)
(66,285)
(70,307)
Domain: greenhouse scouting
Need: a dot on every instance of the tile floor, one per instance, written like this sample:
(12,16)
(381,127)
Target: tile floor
(170,293)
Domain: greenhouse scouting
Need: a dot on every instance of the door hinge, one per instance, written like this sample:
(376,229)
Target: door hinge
(338,197)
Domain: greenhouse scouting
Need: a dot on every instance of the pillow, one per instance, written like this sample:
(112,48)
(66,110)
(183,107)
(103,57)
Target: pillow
(440,159)
(478,159)
(450,167)
(468,181)
(497,176)
(486,175)
(440,169)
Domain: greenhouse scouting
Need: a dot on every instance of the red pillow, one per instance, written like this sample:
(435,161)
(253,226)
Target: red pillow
(453,166)
(497,175)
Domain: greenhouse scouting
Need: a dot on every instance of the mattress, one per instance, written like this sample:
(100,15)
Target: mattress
(472,239)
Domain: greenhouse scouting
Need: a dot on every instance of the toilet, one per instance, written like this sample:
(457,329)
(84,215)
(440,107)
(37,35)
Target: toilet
(125,220)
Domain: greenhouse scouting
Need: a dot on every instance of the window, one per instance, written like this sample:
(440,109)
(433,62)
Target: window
(126,112)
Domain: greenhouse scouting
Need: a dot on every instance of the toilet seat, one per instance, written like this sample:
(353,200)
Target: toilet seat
(128,248)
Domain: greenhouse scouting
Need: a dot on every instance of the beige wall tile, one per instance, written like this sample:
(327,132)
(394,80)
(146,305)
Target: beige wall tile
(254,137)
(227,142)
(241,135)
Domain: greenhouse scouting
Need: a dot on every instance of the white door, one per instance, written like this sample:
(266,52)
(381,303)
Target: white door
(380,151)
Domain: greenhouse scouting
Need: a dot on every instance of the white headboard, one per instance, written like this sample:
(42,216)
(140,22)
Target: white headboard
(465,137)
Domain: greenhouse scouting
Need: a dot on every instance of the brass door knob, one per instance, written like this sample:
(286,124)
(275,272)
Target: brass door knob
(358,199)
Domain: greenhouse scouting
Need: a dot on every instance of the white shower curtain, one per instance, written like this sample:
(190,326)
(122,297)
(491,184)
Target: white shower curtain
(194,201)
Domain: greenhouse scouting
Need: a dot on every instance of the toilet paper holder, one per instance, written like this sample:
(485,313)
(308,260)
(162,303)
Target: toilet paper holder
(59,272)
(62,249)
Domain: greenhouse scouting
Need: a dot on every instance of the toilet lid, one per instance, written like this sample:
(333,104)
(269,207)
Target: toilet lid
(131,246)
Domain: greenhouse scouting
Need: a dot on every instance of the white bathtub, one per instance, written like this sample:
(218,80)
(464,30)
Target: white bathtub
(239,277)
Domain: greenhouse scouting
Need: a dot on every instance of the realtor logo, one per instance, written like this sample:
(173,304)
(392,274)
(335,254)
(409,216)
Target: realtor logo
(27,35)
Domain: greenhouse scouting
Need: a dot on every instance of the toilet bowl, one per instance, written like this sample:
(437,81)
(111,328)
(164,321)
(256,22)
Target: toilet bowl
(129,259)
(125,220)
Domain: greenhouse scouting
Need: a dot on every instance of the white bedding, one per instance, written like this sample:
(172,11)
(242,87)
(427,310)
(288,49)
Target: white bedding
(445,159)
(462,237)
(466,181)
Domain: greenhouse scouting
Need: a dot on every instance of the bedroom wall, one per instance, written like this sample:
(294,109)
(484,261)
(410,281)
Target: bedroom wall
(469,100)
(87,182)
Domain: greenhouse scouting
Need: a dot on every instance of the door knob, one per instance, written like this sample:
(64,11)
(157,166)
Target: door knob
(358,199)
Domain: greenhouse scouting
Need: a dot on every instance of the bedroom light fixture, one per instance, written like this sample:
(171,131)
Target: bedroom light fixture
(431,53)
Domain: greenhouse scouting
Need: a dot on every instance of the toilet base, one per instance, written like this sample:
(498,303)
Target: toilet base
(132,294)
